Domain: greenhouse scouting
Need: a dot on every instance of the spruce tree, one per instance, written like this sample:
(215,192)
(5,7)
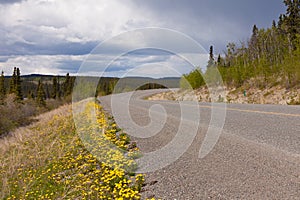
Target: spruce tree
(280,24)
(40,94)
(54,88)
(13,80)
(68,85)
(274,26)
(253,39)
(211,52)
(58,88)
(219,60)
(18,87)
(293,20)
(2,88)
(211,57)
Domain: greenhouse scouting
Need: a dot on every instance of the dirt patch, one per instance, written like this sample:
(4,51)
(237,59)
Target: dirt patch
(268,95)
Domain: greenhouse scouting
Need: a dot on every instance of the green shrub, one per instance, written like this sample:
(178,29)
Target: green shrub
(192,80)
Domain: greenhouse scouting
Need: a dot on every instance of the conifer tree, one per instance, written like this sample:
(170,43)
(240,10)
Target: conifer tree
(18,87)
(2,88)
(253,44)
(219,60)
(40,94)
(58,88)
(211,52)
(211,57)
(292,21)
(54,88)
(274,26)
(68,85)
(13,80)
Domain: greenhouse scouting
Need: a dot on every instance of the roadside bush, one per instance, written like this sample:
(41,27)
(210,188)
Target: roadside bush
(192,80)
(21,113)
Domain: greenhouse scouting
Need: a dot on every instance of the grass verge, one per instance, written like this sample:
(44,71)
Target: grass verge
(51,160)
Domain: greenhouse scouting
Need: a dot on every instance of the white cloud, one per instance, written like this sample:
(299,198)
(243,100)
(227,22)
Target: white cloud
(39,64)
(73,21)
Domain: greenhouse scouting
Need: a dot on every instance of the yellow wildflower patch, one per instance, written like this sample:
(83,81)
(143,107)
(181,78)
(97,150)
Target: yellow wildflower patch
(59,160)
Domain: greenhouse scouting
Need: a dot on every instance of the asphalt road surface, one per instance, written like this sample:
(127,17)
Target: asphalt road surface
(256,155)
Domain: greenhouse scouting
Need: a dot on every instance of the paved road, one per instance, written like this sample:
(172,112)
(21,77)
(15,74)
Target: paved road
(257,155)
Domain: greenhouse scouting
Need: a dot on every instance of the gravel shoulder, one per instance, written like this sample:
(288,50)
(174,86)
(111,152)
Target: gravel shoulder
(245,95)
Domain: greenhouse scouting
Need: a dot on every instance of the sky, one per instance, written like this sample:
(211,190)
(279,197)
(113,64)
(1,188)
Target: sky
(153,38)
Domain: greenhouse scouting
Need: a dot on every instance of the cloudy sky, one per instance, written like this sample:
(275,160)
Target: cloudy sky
(111,36)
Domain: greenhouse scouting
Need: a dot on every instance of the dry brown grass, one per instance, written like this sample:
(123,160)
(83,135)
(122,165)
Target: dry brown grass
(22,134)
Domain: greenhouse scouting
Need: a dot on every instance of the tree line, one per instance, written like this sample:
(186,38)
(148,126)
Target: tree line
(270,55)
(39,90)
(42,87)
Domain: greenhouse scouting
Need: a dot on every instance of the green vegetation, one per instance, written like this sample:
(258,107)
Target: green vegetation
(55,88)
(22,97)
(2,88)
(192,80)
(41,96)
(149,86)
(271,55)
(15,84)
(140,83)
(25,98)
(27,86)
(49,160)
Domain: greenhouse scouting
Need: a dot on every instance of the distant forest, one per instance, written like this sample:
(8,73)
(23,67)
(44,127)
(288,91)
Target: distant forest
(43,87)
(271,55)
(39,87)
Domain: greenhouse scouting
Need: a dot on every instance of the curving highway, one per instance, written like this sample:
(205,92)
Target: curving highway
(256,151)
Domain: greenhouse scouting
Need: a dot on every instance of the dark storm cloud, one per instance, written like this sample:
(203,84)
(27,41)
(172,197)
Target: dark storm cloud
(116,68)
(215,21)
(149,51)
(238,10)
(64,48)
(9,1)
(208,21)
